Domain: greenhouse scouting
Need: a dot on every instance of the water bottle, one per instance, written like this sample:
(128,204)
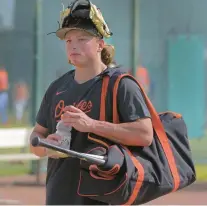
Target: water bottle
(65,133)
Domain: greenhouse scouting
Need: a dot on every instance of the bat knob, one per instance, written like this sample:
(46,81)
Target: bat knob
(35,141)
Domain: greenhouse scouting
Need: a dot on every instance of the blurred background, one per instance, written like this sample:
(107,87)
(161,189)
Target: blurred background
(163,43)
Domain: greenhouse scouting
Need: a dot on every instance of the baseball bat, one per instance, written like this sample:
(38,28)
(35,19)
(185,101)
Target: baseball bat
(94,159)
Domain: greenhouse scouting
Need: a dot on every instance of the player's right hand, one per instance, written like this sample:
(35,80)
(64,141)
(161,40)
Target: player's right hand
(54,139)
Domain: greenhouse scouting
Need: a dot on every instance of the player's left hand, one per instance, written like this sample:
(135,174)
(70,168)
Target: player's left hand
(76,118)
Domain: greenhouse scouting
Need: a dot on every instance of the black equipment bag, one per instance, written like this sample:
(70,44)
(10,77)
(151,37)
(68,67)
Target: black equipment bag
(136,175)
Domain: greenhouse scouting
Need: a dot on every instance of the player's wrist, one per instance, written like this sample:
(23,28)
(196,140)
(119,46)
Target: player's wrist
(92,128)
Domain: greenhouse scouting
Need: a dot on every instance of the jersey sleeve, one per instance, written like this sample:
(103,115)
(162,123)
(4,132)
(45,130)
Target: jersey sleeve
(131,104)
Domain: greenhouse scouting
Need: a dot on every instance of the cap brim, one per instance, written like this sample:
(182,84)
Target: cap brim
(61,33)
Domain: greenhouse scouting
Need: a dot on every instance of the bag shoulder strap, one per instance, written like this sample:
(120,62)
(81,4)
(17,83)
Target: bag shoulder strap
(157,125)
(137,164)
(158,128)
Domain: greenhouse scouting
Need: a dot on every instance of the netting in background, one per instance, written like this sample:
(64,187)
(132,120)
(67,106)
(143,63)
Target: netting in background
(164,28)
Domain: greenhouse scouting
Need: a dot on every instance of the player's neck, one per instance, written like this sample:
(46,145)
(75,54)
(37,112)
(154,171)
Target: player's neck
(84,74)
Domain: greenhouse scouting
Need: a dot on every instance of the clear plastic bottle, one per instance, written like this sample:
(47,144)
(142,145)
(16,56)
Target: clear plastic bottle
(65,133)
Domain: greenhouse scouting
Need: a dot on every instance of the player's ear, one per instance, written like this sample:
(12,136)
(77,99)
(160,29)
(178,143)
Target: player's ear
(101,44)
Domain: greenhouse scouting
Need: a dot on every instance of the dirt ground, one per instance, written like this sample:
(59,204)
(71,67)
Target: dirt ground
(35,195)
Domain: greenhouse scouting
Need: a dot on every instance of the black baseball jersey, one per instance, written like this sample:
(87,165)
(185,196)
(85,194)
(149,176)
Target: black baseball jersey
(63,174)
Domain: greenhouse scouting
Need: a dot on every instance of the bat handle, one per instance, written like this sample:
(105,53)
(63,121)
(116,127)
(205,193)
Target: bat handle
(94,159)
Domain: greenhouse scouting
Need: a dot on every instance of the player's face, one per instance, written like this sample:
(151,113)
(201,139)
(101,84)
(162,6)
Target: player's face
(82,48)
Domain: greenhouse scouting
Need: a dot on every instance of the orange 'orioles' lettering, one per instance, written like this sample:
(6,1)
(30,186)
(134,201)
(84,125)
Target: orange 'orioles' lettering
(59,109)
(82,105)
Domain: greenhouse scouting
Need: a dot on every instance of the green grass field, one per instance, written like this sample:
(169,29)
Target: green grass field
(198,149)
(13,169)
(10,168)
(201,171)
(199,152)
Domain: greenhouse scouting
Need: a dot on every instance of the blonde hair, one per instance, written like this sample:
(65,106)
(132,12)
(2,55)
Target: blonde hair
(107,54)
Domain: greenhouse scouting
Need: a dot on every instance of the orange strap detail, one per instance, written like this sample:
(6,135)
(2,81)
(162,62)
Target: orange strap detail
(102,116)
(103,98)
(135,161)
(159,129)
(98,141)
(176,115)
(116,120)
(140,178)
